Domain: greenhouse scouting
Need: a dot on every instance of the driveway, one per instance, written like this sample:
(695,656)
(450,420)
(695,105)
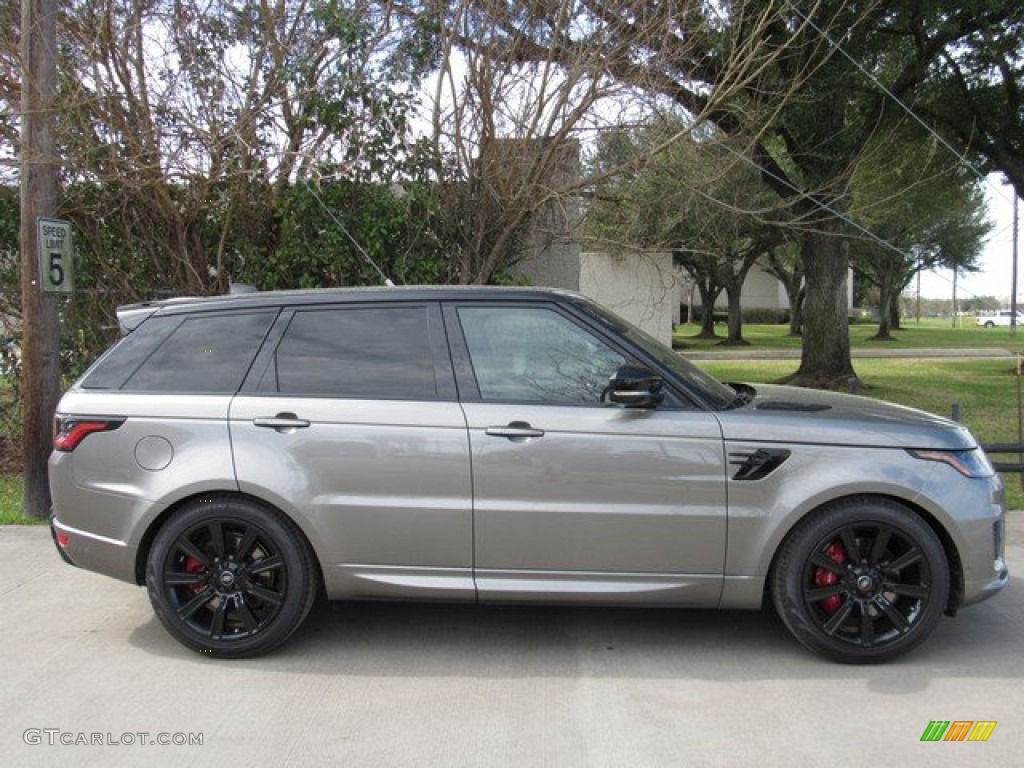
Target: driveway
(90,678)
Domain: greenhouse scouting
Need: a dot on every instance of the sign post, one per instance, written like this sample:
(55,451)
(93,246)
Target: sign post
(55,256)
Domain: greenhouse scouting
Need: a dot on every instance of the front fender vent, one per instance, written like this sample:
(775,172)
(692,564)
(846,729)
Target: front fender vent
(755,465)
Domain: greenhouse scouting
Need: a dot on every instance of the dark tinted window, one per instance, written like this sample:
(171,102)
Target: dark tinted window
(207,354)
(121,361)
(533,354)
(368,352)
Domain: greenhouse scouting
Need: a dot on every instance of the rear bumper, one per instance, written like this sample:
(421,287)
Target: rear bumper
(57,542)
(93,552)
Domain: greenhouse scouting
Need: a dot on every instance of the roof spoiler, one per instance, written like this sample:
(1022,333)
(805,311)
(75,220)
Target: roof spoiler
(131,316)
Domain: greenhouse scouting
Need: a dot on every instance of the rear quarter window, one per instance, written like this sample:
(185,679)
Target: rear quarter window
(207,354)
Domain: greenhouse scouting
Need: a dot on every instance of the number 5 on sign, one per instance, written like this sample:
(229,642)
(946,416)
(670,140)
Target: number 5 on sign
(55,271)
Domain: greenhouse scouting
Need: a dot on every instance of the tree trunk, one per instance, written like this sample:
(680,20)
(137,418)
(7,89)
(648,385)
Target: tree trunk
(708,294)
(895,318)
(885,299)
(825,361)
(735,337)
(796,312)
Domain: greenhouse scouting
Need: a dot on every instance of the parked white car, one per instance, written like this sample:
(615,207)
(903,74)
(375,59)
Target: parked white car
(1001,319)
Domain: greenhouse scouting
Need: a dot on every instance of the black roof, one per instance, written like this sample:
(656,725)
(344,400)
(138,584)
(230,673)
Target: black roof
(132,315)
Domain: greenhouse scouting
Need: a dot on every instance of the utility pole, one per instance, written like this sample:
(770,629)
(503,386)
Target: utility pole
(40,376)
(1013,286)
(919,267)
(956,314)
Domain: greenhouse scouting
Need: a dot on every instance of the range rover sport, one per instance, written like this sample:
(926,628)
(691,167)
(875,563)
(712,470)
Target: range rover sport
(238,454)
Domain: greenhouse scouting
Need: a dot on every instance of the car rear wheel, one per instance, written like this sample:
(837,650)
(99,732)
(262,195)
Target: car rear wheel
(862,580)
(229,577)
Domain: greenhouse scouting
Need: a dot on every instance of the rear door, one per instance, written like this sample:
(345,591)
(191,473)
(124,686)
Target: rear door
(576,498)
(349,421)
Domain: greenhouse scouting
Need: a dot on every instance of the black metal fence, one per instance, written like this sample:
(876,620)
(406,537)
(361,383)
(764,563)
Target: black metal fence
(999,448)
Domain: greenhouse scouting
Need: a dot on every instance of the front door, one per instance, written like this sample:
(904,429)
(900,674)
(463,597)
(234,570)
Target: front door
(574,497)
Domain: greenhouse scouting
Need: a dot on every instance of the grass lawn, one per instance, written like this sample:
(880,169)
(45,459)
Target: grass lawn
(985,388)
(932,332)
(10,502)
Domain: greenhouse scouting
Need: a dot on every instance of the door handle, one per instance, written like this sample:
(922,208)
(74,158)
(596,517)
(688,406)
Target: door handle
(283,422)
(517,431)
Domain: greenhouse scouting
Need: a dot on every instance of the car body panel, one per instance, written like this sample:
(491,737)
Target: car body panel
(377,483)
(813,417)
(108,498)
(604,491)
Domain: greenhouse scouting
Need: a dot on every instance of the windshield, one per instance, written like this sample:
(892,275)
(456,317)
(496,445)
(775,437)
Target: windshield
(712,392)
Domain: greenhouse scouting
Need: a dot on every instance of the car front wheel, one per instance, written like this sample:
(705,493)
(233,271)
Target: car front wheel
(862,580)
(229,577)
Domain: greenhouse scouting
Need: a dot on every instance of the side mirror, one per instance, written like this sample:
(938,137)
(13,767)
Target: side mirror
(635,387)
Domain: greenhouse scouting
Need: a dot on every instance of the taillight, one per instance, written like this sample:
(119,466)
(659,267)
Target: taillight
(69,432)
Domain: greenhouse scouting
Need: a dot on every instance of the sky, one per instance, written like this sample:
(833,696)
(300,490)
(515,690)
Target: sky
(996,274)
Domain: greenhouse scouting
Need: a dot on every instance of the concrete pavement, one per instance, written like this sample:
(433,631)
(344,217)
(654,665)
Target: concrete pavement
(429,685)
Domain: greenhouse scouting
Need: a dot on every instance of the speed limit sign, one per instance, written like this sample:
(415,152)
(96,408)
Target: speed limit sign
(55,270)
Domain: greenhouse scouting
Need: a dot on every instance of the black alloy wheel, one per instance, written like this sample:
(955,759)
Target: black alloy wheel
(229,577)
(863,580)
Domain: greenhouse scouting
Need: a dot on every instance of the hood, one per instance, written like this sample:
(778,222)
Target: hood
(796,415)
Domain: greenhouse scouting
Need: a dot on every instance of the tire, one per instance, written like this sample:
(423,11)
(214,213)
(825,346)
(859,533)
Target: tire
(990,324)
(862,580)
(229,577)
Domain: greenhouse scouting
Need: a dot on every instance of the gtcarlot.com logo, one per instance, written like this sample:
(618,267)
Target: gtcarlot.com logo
(58,737)
(958,730)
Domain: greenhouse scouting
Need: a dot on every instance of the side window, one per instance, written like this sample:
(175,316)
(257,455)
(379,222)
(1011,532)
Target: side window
(533,354)
(206,354)
(123,359)
(357,352)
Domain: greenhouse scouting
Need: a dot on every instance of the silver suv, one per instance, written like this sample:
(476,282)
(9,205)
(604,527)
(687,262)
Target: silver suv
(238,455)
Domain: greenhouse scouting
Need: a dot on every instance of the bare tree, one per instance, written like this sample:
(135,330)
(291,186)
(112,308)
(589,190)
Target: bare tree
(522,85)
(187,116)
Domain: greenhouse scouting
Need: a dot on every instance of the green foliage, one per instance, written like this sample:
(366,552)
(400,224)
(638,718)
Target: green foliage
(912,194)
(765,316)
(400,227)
(691,193)
(973,94)
(10,291)
(189,135)
(674,190)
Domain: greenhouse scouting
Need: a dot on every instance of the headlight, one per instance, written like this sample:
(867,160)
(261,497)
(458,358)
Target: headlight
(972,463)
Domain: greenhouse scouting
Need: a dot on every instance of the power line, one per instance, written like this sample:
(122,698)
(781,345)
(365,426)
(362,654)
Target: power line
(384,278)
(818,203)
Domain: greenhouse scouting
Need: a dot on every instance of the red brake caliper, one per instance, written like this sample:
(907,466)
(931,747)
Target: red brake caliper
(824,577)
(194,566)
